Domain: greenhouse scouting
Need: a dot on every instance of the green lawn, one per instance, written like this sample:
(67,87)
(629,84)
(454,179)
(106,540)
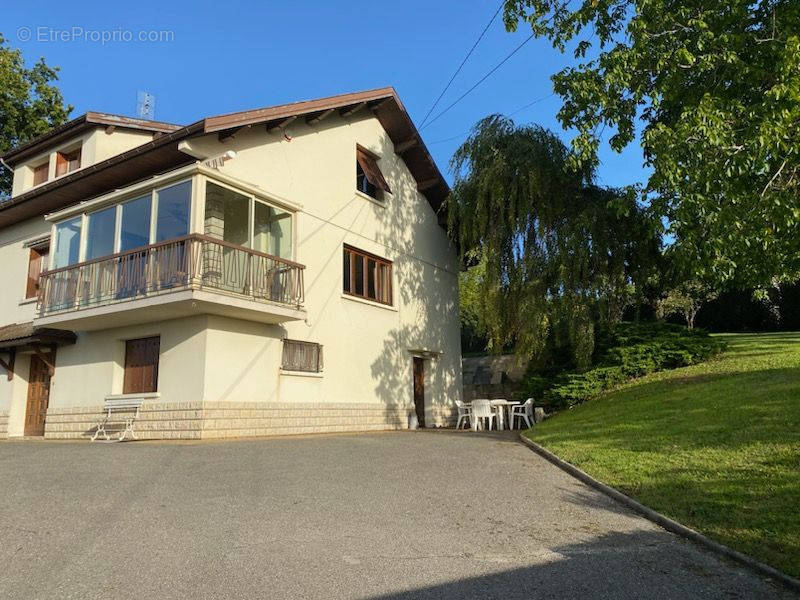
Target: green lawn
(715,446)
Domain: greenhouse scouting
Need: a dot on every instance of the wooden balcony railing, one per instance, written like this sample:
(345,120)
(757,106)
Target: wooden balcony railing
(190,262)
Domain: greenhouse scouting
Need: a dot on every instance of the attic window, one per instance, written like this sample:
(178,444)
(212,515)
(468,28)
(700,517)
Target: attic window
(40,173)
(369,179)
(66,162)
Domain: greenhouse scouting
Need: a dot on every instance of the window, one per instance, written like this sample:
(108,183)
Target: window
(37,262)
(367,276)
(172,220)
(40,173)
(301,356)
(100,229)
(67,162)
(227,217)
(369,178)
(141,365)
(272,231)
(135,226)
(68,243)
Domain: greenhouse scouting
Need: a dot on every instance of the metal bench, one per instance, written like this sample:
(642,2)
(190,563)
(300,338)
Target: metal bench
(118,405)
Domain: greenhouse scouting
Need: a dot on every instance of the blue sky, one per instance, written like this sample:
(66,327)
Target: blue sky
(231,55)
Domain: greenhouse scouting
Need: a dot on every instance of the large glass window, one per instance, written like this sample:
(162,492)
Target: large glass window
(68,243)
(227,215)
(135,227)
(164,214)
(100,231)
(272,231)
(174,204)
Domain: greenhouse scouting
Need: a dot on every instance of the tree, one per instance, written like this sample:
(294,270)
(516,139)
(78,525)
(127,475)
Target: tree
(687,299)
(716,86)
(557,253)
(474,328)
(29,104)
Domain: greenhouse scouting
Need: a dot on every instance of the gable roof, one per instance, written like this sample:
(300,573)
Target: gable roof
(76,127)
(162,154)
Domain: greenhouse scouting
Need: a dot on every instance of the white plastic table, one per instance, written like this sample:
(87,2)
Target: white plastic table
(501,406)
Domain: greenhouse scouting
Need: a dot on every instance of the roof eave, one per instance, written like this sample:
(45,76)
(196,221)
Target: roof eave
(77,126)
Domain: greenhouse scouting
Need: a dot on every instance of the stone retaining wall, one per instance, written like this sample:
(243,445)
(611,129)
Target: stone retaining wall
(198,420)
(3,425)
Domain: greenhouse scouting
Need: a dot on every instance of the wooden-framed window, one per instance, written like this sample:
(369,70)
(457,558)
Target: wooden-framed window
(40,173)
(37,262)
(66,162)
(369,179)
(301,356)
(367,276)
(141,365)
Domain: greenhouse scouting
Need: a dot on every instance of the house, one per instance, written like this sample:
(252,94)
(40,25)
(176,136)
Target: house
(274,271)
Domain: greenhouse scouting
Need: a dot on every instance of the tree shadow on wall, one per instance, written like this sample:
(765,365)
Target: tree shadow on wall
(426,295)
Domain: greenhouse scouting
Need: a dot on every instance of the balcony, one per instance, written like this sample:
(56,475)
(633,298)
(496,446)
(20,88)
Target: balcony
(222,271)
(190,274)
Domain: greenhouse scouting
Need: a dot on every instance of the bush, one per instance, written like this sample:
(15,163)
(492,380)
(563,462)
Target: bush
(628,350)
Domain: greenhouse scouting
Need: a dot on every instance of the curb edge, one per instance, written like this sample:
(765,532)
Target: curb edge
(661,520)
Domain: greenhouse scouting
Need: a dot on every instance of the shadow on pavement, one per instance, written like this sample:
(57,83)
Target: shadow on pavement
(602,567)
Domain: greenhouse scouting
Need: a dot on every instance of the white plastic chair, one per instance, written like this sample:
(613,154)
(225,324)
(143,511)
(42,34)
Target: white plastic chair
(523,411)
(464,414)
(481,411)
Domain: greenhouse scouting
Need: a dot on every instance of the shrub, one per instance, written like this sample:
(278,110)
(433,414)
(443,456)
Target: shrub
(628,350)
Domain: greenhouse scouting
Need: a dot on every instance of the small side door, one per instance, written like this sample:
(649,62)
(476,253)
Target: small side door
(419,389)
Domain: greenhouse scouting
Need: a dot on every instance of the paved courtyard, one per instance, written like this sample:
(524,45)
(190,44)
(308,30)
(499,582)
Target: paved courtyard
(388,515)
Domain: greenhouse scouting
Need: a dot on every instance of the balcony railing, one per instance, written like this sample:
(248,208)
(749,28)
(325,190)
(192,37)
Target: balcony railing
(190,262)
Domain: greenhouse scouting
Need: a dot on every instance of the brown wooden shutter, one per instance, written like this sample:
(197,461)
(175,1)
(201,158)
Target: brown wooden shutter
(301,356)
(371,170)
(36,264)
(74,160)
(61,165)
(40,173)
(67,162)
(141,365)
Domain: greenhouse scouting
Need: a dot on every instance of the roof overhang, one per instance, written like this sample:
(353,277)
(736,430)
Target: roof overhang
(124,169)
(382,102)
(162,154)
(76,127)
(21,336)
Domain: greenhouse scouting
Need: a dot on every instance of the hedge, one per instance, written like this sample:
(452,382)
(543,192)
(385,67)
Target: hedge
(627,351)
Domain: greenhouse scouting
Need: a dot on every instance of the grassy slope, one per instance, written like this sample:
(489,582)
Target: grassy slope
(715,446)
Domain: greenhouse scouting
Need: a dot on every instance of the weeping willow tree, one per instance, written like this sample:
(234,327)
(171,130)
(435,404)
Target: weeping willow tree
(557,254)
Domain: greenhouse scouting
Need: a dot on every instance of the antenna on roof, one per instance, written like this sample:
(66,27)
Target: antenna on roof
(145,105)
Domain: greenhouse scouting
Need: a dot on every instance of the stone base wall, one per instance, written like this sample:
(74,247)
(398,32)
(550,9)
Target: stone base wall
(198,420)
(3,425)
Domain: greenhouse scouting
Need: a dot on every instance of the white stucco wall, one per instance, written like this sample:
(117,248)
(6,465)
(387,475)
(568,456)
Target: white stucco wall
(14,257)
(366,345)
(93,367)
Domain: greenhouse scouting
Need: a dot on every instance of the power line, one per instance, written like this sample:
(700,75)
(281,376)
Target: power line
(463,62)
(511,114)
(480,81)
(519,110)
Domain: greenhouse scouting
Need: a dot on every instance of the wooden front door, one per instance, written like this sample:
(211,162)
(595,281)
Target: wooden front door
(38,396)
(419,389)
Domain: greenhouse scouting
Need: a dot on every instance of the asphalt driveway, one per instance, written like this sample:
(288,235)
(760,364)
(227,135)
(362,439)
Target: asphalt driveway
(389,515)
